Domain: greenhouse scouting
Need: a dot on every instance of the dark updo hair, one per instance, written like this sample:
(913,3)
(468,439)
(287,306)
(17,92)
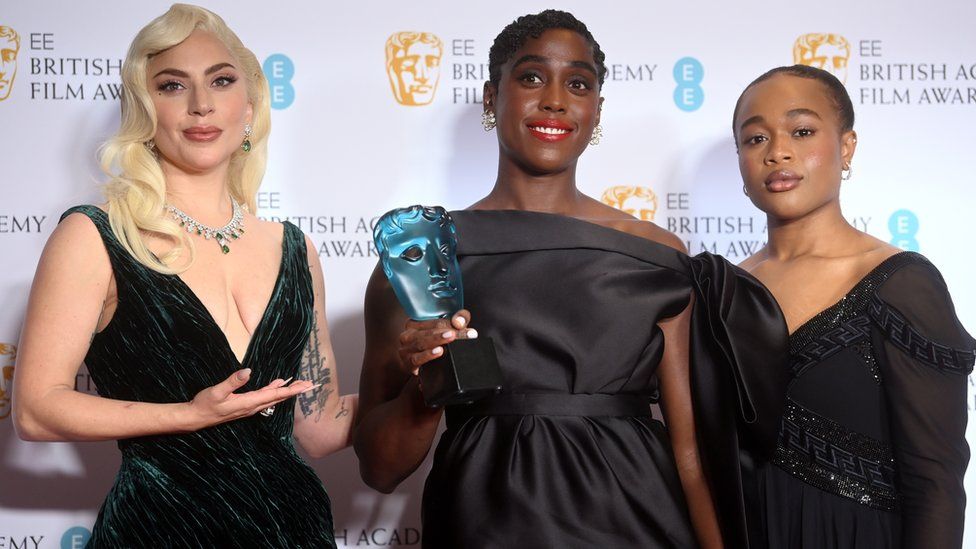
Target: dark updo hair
(517,33)
(836,90)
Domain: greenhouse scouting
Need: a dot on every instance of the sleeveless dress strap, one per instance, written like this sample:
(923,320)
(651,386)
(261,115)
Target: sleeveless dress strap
(120,258)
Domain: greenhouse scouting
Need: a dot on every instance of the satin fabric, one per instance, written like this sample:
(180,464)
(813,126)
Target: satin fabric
(573,309)
(237,484)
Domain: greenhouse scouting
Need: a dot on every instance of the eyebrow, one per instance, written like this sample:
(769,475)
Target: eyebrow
(545,60)
(182,74)
(792,113)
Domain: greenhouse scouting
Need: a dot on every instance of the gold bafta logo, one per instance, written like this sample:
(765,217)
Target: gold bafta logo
(413,65)
(9,48)
(830,52)
(640,202)
(8,354)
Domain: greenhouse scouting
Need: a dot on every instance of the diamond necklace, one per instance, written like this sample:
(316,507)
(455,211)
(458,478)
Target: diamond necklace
(232,230)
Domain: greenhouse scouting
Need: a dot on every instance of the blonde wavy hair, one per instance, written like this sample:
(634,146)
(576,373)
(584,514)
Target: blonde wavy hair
(136,190)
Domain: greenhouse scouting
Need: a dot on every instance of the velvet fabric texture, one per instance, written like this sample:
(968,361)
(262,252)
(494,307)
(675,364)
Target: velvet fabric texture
(568,455)
(237,484)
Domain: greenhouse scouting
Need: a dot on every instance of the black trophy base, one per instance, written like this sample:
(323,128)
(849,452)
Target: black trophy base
(468,370)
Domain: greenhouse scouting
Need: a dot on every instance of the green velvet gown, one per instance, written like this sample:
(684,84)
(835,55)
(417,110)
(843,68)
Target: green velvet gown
(238,484)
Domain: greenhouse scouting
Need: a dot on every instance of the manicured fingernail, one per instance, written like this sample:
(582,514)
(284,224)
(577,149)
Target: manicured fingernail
(312,387)
(437,351)
(448,334)
(472,333)
(242,374)
(461,321)
(288,380)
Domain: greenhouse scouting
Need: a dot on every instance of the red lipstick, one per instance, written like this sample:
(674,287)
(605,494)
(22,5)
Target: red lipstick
(549,129)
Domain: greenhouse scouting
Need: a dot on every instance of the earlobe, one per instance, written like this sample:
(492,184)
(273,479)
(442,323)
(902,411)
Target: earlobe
(488,99)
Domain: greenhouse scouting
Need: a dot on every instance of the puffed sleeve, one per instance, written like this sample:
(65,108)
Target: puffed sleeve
(739,375)
(925,356)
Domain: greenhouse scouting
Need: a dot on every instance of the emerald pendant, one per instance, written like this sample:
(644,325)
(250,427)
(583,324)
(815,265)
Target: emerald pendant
(224,248)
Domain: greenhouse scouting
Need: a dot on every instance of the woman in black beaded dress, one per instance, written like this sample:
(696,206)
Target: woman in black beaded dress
(872,449)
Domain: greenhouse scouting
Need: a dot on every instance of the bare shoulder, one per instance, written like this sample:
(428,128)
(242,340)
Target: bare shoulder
(876,252)
(608,216)
(269,229)
(76,238)
(752,262)
(74,259)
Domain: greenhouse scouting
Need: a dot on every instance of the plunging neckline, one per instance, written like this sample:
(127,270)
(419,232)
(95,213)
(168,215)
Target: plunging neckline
(832,309)
(275,290)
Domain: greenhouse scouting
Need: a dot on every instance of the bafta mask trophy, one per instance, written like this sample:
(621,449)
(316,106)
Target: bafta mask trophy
(417,247)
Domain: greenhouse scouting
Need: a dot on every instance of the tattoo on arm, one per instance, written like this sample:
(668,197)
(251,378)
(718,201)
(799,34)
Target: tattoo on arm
(315,369)
(343,411)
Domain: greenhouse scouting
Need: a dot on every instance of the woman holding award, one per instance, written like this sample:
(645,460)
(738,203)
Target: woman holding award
(191,326)
(594,315)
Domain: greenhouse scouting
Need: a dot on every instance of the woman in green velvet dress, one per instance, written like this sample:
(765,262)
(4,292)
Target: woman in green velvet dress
(203,336)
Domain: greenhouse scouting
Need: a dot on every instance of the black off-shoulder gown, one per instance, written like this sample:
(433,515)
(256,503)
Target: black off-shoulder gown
(568,455)
(872,451)
(238,484)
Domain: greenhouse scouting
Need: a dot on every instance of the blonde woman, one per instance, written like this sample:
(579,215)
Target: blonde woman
(198,331)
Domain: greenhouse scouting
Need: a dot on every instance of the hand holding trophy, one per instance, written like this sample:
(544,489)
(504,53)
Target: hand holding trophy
(417,247)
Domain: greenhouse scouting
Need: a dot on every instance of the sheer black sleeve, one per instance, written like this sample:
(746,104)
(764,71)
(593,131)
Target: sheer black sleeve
(925,356)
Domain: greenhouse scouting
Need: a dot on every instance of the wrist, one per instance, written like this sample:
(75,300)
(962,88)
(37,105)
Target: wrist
(184,418)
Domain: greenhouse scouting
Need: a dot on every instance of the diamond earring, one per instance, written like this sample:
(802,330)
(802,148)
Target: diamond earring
(246,145)
(488,120)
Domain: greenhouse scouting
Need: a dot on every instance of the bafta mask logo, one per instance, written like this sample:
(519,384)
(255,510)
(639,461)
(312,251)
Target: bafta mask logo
(413,65)
(9,48)
(418,251)
(8,354)
(829,52)
(640,202)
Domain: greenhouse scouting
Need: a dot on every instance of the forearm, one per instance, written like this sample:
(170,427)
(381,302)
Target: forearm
(63,414)
(330,431)
(699,499)
(394,437)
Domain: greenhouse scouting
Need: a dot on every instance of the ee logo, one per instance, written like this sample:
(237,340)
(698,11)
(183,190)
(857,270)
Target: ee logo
(279,70)
(75,538)
(903,225)
(688,73)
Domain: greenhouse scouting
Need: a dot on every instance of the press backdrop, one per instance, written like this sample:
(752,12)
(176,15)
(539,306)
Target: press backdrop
(355,134)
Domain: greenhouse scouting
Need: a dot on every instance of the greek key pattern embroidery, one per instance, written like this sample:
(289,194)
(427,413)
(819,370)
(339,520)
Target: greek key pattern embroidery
(831,342)
(903,335)
(834,459)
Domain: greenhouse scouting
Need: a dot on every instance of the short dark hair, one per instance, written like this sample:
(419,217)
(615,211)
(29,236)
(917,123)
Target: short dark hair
(518,32)
(838,93)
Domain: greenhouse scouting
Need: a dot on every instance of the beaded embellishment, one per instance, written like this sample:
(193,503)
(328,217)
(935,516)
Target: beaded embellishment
(828,456)
(903,335)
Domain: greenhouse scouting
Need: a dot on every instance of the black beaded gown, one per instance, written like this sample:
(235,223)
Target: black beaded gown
(568,455)
(237,484)
(872,450)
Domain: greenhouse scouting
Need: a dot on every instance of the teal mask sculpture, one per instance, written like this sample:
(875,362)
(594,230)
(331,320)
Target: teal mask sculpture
(418,251)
